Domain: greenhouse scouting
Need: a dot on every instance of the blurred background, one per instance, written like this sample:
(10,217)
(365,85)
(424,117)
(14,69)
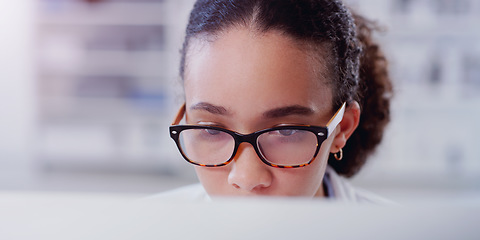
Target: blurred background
(88,90)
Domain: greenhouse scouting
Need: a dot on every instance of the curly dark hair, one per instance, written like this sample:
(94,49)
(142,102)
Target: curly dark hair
(374,94)
(358,68)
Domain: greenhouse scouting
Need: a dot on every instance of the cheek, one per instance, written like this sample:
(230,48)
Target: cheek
(304,181)
(214,180)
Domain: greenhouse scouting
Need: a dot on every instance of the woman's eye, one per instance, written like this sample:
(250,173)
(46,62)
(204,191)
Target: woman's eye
(212,131)
(287,132)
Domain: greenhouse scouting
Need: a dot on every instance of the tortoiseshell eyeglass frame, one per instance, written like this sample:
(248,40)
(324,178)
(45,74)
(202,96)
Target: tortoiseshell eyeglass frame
(320,132)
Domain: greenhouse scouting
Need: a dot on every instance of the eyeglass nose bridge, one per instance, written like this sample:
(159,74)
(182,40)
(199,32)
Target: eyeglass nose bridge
(248,138)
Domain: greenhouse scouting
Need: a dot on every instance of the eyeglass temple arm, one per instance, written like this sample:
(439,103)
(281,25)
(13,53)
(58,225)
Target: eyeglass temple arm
(180,114)
(336,119)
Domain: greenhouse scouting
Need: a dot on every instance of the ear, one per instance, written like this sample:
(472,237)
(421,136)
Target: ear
(346,127)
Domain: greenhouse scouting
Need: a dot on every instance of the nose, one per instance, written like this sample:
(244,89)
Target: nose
(248,172)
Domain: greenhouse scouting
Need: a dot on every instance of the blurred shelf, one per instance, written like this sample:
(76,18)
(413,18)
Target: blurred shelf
(105,80)
(112,63)
(118,109)
(105,13)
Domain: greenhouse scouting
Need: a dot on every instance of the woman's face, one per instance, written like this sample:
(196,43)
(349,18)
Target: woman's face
(237,78)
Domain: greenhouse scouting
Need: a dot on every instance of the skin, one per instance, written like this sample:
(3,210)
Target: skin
(245,81)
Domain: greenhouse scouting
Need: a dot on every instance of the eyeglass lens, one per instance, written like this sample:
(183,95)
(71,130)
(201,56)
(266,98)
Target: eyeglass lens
(281,147)
(207,146)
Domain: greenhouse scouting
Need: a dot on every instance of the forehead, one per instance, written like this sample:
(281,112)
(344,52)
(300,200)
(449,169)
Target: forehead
(241,68)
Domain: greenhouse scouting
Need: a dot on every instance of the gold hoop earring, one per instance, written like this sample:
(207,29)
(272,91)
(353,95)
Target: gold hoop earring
(337,153)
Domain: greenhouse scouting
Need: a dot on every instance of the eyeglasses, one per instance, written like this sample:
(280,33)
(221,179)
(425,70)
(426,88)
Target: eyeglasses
(280,147)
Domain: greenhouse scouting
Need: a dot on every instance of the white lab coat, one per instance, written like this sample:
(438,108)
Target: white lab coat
(338,186)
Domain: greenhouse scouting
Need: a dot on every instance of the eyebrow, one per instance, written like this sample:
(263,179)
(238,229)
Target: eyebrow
(213,109)
(287,111)
(273,113)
